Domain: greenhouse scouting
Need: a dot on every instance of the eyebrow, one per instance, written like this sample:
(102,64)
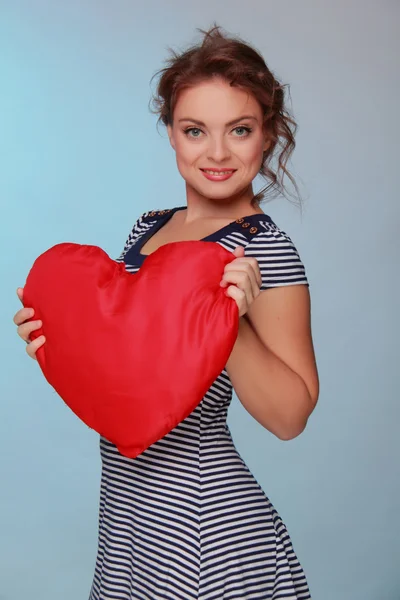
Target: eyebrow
(201,124)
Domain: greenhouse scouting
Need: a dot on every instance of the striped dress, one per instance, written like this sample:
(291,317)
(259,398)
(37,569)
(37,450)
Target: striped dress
(186,519)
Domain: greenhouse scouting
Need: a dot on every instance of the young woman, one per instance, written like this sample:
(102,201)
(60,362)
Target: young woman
(186,519)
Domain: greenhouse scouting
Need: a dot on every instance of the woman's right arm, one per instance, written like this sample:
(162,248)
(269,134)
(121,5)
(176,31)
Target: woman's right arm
(26,327)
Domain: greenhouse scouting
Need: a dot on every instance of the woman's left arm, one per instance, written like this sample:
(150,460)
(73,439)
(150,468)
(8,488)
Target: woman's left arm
(272,366)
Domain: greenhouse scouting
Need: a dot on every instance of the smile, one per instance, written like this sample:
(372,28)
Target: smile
(217,175)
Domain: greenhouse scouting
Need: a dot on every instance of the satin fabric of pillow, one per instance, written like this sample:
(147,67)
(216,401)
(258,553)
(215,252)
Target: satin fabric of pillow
(132,354)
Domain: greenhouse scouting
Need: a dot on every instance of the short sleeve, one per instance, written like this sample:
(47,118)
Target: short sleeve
(137,231)
(278,258)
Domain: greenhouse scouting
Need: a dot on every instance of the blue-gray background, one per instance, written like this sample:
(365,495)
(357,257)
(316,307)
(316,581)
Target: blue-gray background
(81,159)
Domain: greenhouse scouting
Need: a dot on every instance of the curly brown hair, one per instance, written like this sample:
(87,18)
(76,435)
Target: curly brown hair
(232,59)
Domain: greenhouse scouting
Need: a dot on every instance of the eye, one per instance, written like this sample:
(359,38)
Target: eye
(242,128)
(190,129)
(194,132)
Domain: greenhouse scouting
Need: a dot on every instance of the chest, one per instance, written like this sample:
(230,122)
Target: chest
(174,231)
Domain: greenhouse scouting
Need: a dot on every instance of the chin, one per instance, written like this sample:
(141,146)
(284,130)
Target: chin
(217,191)
(218,194)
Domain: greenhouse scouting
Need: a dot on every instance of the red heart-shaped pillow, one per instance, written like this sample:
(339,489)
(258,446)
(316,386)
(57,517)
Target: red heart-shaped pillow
(132,354)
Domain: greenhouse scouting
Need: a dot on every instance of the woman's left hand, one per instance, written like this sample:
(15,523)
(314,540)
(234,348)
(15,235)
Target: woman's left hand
(242,277)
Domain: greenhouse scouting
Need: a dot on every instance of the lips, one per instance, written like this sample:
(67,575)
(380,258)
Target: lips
(218,174)
(218,171)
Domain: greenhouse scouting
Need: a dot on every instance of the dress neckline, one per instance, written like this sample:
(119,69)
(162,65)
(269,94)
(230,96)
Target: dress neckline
(246,221)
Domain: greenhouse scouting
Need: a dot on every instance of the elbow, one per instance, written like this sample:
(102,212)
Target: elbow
(291,432)
(296,424)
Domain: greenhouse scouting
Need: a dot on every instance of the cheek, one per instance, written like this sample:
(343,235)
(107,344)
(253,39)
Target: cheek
(253,155)
(186,153)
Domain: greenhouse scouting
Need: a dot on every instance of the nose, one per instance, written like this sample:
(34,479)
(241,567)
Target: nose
(218,150)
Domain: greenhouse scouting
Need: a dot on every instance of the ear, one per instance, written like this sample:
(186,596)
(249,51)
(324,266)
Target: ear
(267,144)
(171,136)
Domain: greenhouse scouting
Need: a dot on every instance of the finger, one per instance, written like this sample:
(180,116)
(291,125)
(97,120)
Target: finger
(24,331)
(240,280)
(238,251)
(252,262)
(239,297)
(23,315)
(243,276)
(20,293)
(34,346)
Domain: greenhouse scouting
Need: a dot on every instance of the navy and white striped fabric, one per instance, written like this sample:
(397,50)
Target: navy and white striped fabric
(186,520)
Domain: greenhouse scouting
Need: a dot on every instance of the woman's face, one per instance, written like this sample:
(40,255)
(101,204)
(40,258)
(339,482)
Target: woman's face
(217,129)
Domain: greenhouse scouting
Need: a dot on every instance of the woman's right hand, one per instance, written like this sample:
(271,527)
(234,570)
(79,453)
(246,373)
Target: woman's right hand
(25,328)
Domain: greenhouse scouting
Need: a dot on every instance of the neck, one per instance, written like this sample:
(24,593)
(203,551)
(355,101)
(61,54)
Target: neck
(233,207)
